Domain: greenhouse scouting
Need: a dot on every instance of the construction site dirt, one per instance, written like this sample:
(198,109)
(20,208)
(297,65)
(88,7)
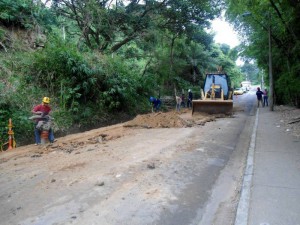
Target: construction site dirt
(159,168)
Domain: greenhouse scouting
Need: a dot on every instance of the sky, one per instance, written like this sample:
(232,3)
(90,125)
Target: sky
(224,33)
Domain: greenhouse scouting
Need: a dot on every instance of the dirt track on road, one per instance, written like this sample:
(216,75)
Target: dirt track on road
(112,163)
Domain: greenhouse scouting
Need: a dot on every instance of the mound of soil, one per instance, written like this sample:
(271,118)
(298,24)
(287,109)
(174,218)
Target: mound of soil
(158,120)
(170,119)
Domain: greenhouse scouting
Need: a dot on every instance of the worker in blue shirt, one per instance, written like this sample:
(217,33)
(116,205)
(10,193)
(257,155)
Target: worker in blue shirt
(156,103)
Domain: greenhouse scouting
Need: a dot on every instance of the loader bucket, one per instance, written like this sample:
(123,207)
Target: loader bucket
(213,106)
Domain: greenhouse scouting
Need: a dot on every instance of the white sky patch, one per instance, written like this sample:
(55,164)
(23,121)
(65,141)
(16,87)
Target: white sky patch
(224,33)
(239,62)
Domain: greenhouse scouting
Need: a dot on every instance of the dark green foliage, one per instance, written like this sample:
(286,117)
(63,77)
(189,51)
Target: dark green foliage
(108,27)
(21,124)
(123,89)
(16,12)
(62,71)
(256,20)
(79,79)
(24,13)
(287,89)
(4,114)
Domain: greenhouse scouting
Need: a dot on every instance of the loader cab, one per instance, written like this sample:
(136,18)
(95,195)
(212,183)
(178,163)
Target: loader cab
(220,82)
(217,90)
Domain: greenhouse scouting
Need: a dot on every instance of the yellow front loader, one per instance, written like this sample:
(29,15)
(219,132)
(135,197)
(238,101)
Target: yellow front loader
(216,95)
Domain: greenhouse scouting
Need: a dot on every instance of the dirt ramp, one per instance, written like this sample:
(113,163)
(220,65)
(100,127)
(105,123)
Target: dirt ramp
(158,120)
(171,119)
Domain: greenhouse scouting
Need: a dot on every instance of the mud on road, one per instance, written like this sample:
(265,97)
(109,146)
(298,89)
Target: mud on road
(103,135)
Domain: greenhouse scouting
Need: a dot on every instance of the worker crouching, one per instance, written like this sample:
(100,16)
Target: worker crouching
(42,120)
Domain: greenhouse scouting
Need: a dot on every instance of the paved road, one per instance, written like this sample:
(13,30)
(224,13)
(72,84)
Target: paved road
(241,129)
(196,177)
(215,170)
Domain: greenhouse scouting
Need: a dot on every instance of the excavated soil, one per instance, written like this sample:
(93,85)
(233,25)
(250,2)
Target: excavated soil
(289,121)
(170,119)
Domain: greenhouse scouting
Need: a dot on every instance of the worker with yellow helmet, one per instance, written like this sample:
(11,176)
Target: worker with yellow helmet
(43,110)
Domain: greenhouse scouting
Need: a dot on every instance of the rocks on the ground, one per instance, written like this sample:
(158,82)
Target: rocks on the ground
(151,166)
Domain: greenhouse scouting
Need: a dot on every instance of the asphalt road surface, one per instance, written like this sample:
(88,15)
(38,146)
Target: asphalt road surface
(163,176)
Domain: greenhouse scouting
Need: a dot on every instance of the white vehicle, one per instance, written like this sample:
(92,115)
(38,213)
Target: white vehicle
(245,89)
(246,85)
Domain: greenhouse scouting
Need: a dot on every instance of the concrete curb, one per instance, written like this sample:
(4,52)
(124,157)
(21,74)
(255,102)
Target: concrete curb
(243,206)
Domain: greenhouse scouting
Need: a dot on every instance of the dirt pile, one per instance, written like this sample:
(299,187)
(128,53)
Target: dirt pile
(158,120)
(170,119)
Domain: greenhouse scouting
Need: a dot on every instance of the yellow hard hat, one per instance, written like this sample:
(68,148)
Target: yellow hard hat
(46,100)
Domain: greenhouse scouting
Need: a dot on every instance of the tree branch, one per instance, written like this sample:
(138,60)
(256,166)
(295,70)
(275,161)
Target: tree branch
(3,46)
(288,28)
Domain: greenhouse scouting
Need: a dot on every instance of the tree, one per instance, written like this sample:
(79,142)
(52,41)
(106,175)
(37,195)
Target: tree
(282,17)
(25,13)
(108,27)
(251,72)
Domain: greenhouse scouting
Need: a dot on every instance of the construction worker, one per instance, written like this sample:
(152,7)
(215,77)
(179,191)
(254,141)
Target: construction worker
(178,103)
(259,95)
(183,100)
(43,110)
(155,104)
(190,98)
(266,103)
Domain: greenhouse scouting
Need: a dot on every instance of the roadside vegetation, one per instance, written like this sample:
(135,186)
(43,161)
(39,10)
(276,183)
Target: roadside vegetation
(255,20)
(99,61)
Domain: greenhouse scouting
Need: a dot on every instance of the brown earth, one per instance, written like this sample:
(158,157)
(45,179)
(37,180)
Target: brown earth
(117,159)
(290,121)
(171,119)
